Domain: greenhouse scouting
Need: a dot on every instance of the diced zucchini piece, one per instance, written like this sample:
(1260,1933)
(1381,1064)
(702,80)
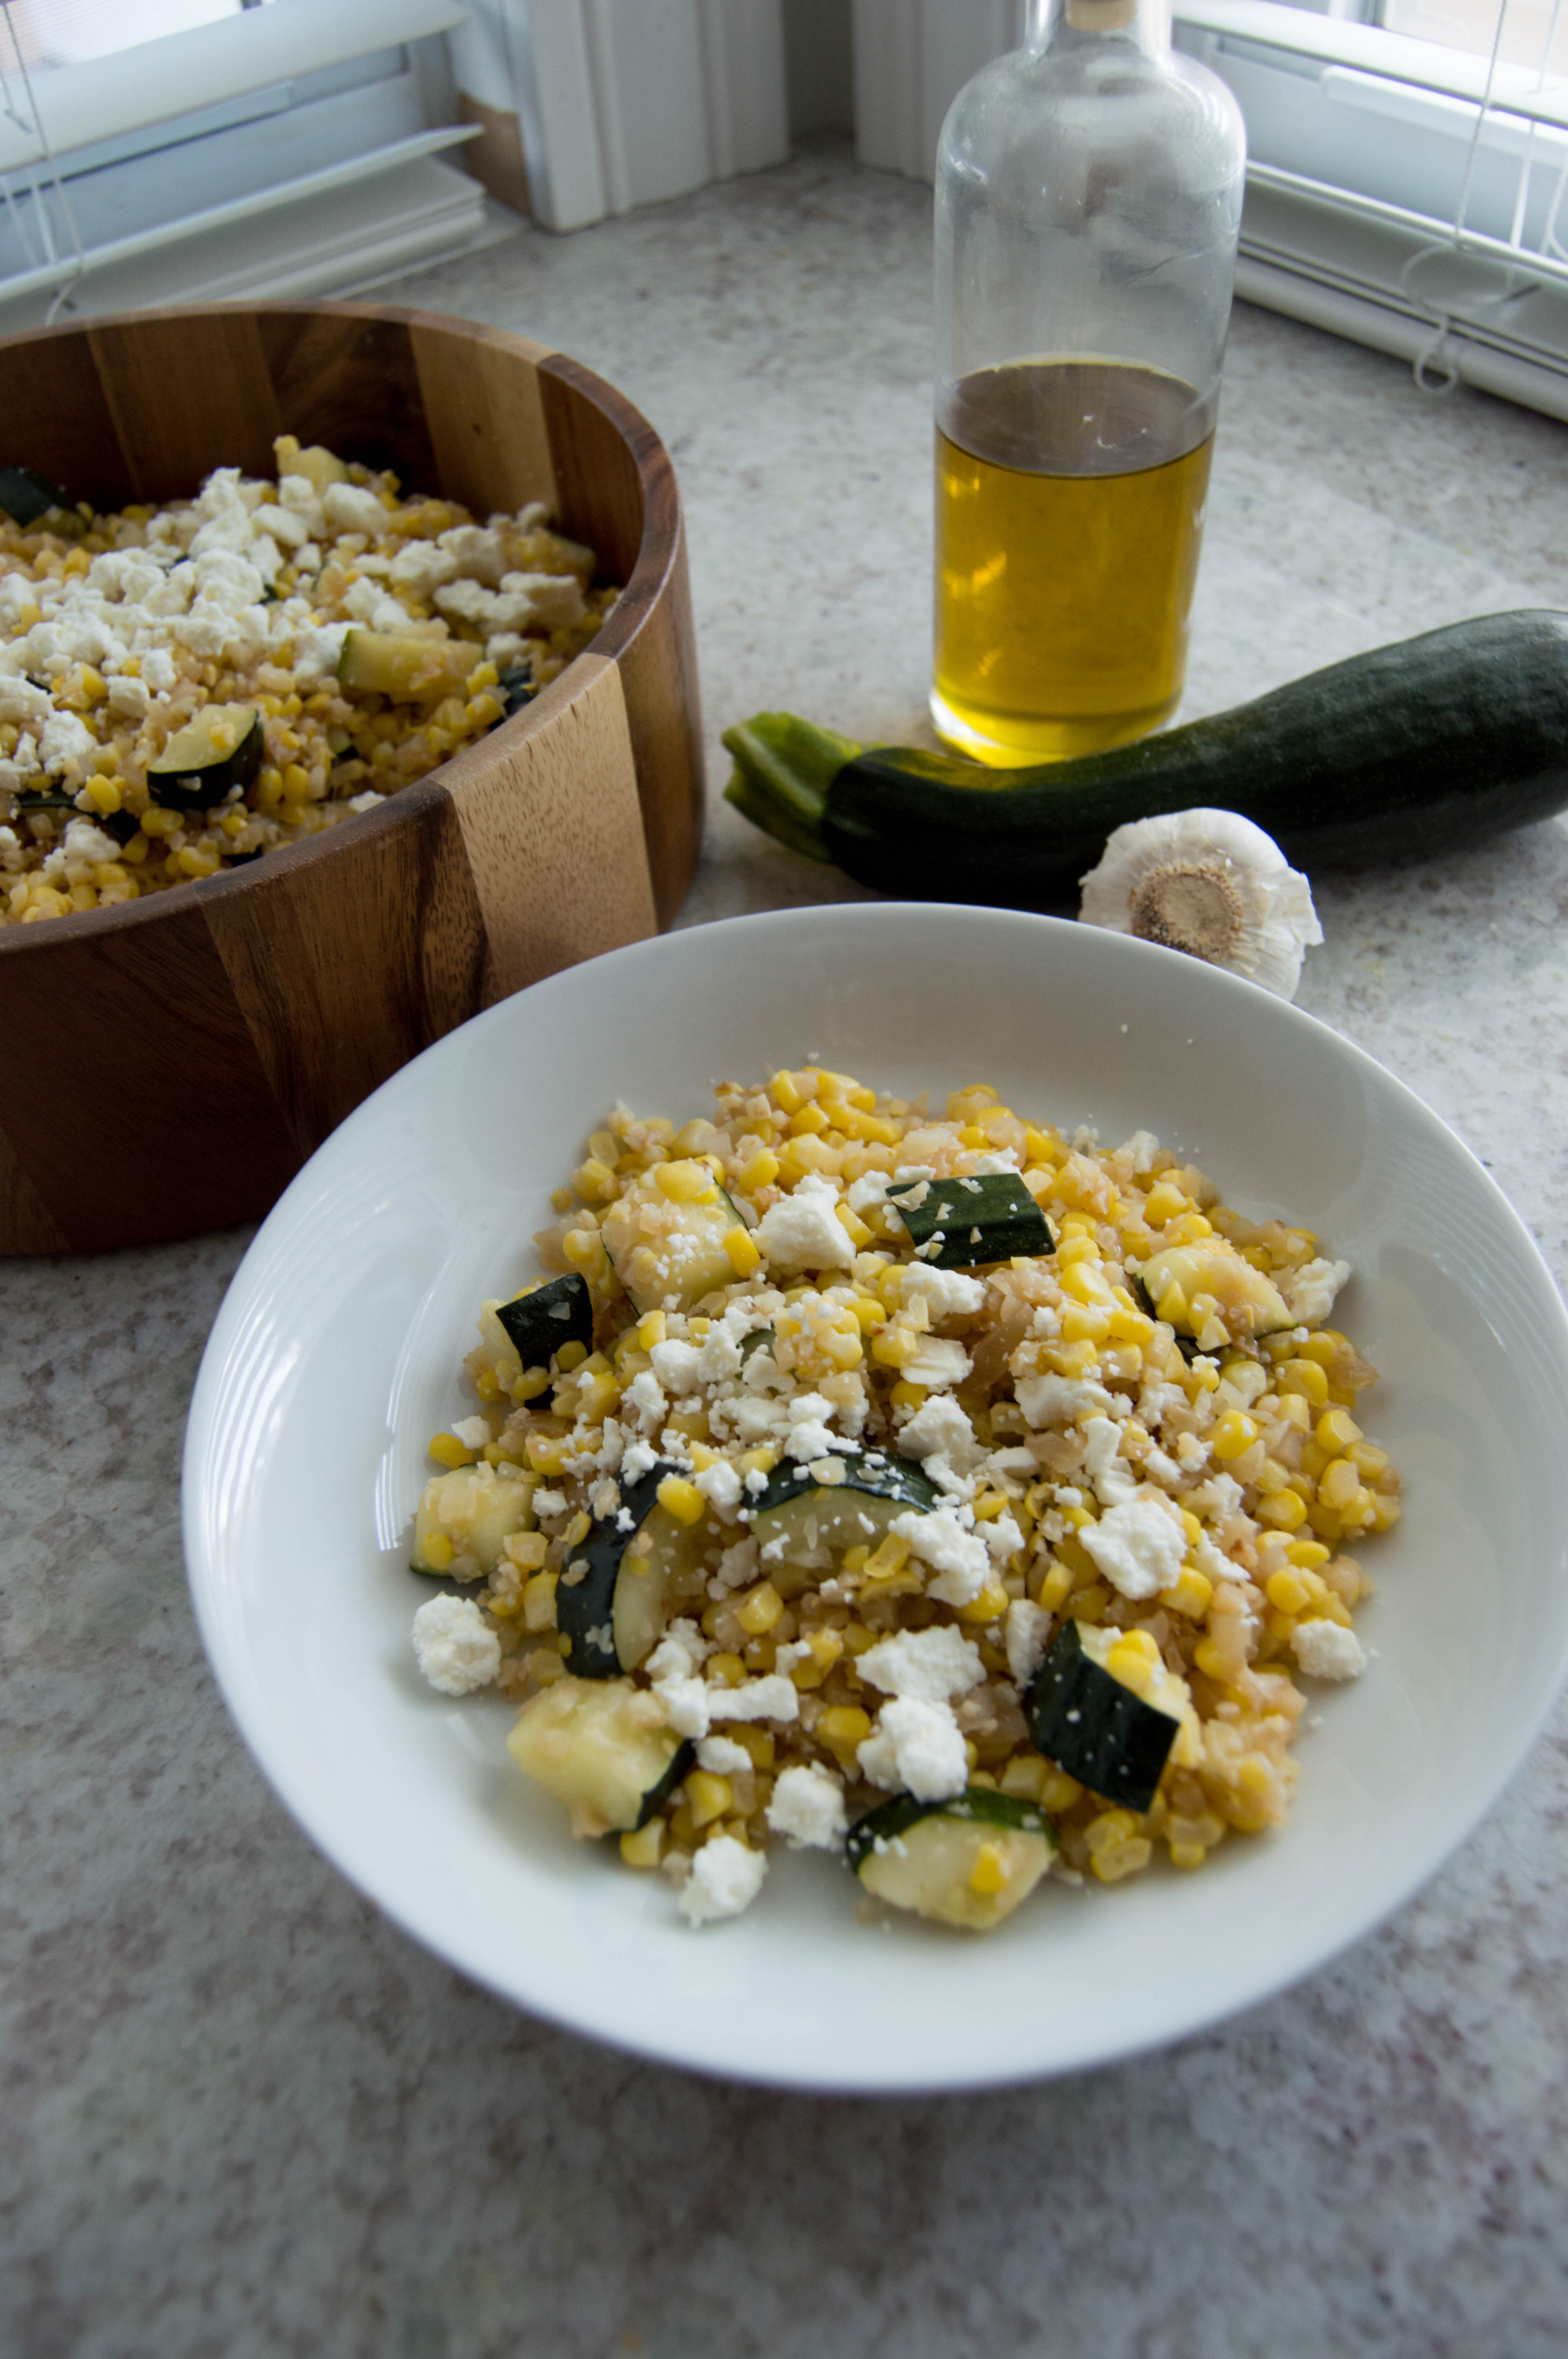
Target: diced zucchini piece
(966,1862)
(474,1508)
(1247,1303)
(26,496)
(1099,1730)
(602,1748)
(219,748)
(807,1516)
(959,1224)
(518,686)
(669,1252)
(406,667)
(543,1317)
(636,1577)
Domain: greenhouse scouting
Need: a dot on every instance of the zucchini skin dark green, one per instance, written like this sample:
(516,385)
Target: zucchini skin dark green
(1410,751)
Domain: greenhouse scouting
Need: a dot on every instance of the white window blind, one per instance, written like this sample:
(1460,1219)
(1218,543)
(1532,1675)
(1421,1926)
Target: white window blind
(1408,192)
(277,148)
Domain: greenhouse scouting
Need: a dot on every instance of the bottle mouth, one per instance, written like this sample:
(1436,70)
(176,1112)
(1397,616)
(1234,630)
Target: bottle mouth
(1100,16)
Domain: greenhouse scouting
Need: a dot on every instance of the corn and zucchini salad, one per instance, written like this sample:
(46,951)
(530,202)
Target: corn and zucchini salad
(183,689)
(929,1488)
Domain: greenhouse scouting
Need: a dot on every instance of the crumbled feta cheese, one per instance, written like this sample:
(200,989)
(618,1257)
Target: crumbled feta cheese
(1308,1295)
(457,1649)
(802,1232)
(726,1877)
(1144,1147)
(677,1368)
(86,841)
(940,1428)
(929,1664)
(938,1363)
(771,1698)
(723,1757)
(65,740)
(738,1565)
(349,507)
(638,1458)
(720,1487)
(961,1562)
(1112,1478)
(1003,1537)
(1028,1631)
(1058,1400)
(646,1395)
(473,1433)
(550,1503)
(947,1293)
(1326,1650)
(1138,1545)
(869,1190)
(918,1746)
(807,1806)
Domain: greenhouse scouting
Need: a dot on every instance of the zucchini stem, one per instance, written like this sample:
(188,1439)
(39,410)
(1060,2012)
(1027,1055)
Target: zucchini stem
(783,767)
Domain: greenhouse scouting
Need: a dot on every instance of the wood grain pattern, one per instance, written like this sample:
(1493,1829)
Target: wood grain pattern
(171,1062)
(487,422)
(618,485)
(555,833)
(180,388)
(395,910)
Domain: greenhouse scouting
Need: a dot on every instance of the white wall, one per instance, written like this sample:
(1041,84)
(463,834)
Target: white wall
(626,102)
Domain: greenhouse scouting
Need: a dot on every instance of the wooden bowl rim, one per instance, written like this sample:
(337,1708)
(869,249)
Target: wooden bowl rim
(656,555)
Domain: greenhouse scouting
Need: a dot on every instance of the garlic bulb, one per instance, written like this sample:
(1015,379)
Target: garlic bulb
(1211,883)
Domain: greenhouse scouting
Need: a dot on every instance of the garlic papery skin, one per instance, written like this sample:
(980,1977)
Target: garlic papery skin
(1210,883)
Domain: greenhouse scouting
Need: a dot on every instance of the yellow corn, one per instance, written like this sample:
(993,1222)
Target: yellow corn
(684,1501)
(1191,1595)
(448,1451)
(103,794)
(761,1172)
(843,1727)
(707,1796)
(1183,1854)
(759,1609)
(651,1330)
(539,1602)
(1233,1434)
(786,1093)
(890,1557)
(743,1253)
(1286,1593)
(1337,1433)
(643,1848)
(1338,1484)
(1286,1510)
(989,1606)
(438,1551)
(988,1873)
(546,1453)
(1025,1776)
(725,1670)
(1306,1378)
(684,1183)
(1164,1203)
(1057,1790)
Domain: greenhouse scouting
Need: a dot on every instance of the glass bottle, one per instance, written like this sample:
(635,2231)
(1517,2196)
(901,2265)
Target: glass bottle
(1089,194)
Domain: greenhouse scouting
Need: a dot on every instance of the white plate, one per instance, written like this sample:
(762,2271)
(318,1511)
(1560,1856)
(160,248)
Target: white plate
(336,1355)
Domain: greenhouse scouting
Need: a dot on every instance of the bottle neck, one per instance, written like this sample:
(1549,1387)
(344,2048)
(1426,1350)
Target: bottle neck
(1145,23)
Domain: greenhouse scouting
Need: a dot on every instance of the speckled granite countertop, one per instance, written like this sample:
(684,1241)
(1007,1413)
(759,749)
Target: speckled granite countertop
(246,2116)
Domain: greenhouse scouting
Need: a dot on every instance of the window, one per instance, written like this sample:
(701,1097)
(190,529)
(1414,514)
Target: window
(160,150)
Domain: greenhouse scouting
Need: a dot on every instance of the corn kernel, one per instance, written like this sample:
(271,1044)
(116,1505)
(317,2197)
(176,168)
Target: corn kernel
(989,1606)
(1336,1432)
(651,1330)
(1191,1595)
(1186,1854)
(684,1501)
(103,794)
(1233,1434)
(448,1451)
(546,1453)
(761,1172)
(1058,1791)
(437,1551)
(707,1796)
(571,1356)
(1338,1484)
(725,1669)
(1286,1593)
(988,1873)
(1163,1203)
(842,1728)
(784,1090)
(742,1250)
(1286,1510)
(539,1600)
(641,1848)
(759,1609)
(684,1183)
(890,1557)
(1306,1378)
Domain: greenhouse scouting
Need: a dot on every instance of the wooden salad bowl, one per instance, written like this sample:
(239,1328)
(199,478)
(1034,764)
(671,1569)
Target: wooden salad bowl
(171,1062)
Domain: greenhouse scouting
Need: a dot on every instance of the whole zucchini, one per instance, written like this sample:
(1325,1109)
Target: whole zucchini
(1414,749)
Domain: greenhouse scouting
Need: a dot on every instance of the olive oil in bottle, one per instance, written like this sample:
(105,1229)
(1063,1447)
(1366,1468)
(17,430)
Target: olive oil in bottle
(1063,583)
(1089,195)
